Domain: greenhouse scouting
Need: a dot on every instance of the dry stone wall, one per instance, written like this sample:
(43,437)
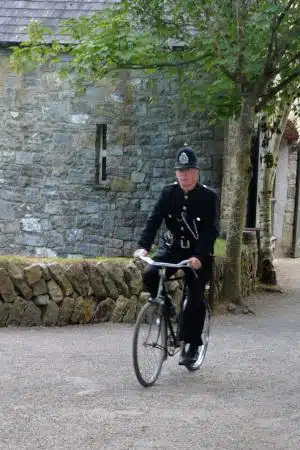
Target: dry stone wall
(56,294)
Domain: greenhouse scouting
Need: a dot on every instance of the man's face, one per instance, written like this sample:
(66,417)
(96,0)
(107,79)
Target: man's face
(187,178)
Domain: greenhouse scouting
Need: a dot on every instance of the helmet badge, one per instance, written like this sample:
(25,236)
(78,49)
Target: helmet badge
(183,158)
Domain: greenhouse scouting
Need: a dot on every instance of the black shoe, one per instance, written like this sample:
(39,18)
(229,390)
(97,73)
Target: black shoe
(193,353)
(188,358)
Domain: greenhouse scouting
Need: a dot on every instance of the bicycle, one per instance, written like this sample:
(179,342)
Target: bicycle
(156,335)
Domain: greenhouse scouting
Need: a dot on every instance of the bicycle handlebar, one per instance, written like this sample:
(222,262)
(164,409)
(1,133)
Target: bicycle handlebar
(179,265)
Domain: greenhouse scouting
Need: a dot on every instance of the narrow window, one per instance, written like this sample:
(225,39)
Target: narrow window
(100,157)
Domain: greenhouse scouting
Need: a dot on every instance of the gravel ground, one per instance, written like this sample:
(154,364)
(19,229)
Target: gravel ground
(74,387)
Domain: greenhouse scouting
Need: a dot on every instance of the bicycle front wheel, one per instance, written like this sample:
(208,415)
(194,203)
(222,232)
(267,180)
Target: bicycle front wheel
(149,343)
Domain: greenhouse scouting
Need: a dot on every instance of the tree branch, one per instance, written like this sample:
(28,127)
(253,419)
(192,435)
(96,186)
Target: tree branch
(281,16)
(273,91)
(155,65)
(291,61)
(269,68)
(231,75)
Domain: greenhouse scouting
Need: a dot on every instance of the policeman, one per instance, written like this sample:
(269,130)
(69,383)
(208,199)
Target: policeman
(189,211)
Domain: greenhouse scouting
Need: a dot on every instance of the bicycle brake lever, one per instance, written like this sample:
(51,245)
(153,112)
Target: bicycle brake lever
(187,262)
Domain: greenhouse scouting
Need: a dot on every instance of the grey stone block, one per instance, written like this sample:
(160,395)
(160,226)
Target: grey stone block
(42,300)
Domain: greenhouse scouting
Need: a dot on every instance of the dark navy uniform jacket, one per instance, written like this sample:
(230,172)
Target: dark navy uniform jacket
(191,217)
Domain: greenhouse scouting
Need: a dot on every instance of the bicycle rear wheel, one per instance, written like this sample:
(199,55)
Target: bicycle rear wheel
(149,343)
(205,340)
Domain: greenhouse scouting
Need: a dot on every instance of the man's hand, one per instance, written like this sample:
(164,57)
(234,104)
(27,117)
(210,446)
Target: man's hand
(140,252)
(195,263)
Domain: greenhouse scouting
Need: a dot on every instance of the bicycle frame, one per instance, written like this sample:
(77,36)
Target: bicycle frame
(172,338)
(160,299)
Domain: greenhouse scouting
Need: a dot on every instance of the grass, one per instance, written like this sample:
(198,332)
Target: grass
(220,248)
(28,260)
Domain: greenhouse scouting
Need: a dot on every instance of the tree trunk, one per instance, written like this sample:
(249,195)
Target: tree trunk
(229,170)
(239,138)
(268,274)
(268,172)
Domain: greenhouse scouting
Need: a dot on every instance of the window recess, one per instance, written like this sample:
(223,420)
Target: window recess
(101,154)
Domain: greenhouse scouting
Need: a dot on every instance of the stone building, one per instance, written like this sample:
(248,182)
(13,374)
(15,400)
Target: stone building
(286,194)
(79,174)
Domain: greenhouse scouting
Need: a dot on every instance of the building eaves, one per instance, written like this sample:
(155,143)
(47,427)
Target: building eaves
(16,15)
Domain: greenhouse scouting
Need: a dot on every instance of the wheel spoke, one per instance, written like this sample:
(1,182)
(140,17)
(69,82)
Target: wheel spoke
(149,344)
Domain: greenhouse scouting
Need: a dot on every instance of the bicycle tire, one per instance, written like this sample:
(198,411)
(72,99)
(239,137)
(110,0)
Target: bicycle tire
(149,343)
(205,339)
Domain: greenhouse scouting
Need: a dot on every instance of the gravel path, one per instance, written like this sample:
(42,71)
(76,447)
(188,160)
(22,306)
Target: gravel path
(74,387)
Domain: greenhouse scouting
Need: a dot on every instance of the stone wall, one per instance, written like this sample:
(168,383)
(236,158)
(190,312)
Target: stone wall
(49,202)
(56,294)
(249,268)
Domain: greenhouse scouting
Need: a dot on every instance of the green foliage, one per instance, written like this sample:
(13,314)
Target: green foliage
(220,247)
(225,50)
(269,159)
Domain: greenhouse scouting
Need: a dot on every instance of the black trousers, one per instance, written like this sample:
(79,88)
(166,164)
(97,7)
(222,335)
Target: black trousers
(193,314)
